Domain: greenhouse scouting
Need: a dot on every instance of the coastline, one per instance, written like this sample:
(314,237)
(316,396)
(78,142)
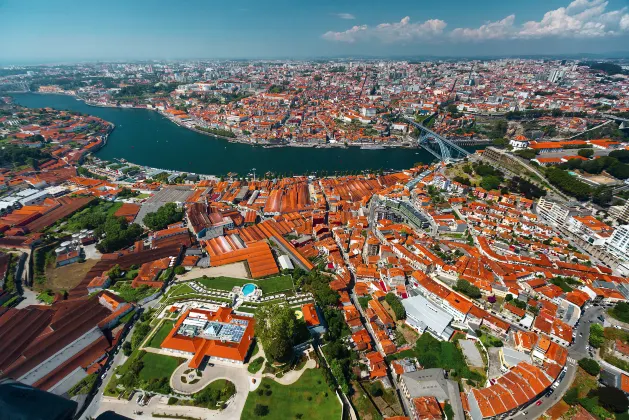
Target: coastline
(237,139)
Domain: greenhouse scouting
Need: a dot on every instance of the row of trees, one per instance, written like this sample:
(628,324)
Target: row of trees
(568,183)
(609,164)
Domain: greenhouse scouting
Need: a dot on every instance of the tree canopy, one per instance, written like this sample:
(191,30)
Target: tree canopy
(15,155)
(591,366)
(396,305)
(276,325)
(467,288)
(569,184)
(118,234)
(620,312)
(612,399)
(164,216)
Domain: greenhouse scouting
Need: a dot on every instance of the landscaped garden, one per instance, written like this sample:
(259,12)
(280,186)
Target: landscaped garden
(269,286)
(130,294)
(213,396)
(160,335)
(180,289)
(606,341)
(308,398)
(148,371)
(487,339)
(46,297)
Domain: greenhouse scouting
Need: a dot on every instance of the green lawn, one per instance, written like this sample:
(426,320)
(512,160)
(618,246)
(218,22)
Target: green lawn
(158,366)
(181,289)
(268,286)
(155,366)
(310,396)
(160,335)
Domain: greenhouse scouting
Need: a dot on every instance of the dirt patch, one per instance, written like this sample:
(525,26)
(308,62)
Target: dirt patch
(409,334)
(236,270)
(66,277)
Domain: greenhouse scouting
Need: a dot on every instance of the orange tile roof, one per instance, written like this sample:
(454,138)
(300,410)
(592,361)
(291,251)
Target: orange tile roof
(202,347)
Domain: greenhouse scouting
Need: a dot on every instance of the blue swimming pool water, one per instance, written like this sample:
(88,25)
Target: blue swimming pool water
(248,289)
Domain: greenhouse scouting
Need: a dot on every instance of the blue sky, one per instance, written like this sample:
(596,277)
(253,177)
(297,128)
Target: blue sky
(46,30)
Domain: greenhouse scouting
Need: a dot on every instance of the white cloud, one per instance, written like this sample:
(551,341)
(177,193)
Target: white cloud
(492,30)
(403,30)
(347,16)
(579,19)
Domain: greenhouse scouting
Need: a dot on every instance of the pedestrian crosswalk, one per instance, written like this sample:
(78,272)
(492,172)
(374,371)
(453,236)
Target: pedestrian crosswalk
(571,360)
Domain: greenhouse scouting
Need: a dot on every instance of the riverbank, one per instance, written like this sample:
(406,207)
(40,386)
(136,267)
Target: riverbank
(239,138)
(149,139)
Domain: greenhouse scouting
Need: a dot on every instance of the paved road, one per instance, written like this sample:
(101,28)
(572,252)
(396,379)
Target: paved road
(119,358)
(575,352)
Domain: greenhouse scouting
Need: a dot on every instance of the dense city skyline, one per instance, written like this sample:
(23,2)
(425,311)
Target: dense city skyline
(322,210)
(278,29)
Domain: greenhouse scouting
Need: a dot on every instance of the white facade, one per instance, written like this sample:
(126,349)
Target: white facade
(618,244)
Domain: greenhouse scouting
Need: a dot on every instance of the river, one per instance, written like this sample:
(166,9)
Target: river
(145,137)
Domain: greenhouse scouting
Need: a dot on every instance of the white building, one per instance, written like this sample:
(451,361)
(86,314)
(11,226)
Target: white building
(618,244)
(556,213)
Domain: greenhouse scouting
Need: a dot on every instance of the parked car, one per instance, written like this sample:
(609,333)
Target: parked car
(539,402)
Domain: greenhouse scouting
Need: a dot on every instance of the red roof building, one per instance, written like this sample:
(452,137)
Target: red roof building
(219,335)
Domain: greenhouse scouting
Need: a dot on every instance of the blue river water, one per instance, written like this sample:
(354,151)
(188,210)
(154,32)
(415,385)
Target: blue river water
(145,137)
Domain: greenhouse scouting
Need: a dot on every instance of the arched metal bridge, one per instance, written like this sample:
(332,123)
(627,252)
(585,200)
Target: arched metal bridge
(438,146)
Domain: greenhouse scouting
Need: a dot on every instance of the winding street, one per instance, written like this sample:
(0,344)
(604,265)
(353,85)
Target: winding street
(575,352)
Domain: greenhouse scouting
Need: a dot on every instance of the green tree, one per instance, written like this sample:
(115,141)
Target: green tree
(590,366)
(448,411)
(602,196)
(276,326)
(612,399)
(620,311)
(467,288)
(375,390)
(396,306)
(569,184)
(126,348)
(164,216)
(597,337)
(526,153)
(572,396)
(260,410)
(587,153)
(490,182)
